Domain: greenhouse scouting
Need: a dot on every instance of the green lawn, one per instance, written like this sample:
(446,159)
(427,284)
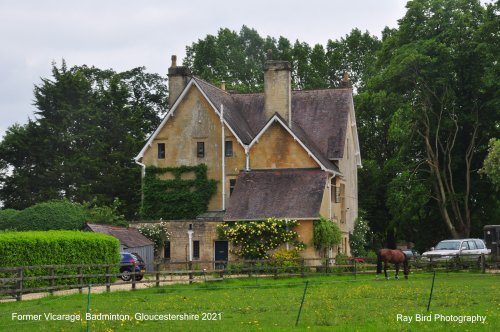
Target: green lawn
(331,303)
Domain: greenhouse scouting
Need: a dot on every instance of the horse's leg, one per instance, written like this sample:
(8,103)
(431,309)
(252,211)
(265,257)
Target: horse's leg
(385,270)
(397,271)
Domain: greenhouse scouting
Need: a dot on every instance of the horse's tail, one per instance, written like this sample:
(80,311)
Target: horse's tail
(379,263)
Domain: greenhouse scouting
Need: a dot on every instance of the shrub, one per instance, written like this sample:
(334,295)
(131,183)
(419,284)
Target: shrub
(7,218)
(157,233)
(58,248)
(358,239)
(105,215)
(255,239)
(53,215)
(326,234)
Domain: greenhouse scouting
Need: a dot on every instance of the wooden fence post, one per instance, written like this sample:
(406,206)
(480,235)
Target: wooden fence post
(483,263)
(133,276)
(108,279)
(157,270)
(19,284)
(302,267)
(190,267)
(51,280)
(80,280)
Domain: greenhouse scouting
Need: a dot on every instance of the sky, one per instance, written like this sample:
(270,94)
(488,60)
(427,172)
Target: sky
(125,34)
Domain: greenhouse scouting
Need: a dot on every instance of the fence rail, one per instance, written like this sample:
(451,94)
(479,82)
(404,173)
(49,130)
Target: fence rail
(16,281)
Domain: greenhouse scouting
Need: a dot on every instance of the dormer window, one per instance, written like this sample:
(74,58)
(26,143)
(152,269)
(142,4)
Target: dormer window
(161,150)
(200,149)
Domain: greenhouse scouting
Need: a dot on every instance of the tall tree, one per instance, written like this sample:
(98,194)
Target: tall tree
(439,63)
(89,124)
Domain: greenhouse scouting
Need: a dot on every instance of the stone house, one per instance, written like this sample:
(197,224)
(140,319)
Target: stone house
(280,153)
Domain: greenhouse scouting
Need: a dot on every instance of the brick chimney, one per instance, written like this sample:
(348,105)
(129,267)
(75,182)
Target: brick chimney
(277,88)
(178,78)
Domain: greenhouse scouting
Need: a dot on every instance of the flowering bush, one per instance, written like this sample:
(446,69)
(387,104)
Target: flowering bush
(157,233)
(358,239)
(255,239)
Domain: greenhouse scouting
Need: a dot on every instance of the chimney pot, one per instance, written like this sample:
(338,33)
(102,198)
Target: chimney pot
(174,61)
(223,85)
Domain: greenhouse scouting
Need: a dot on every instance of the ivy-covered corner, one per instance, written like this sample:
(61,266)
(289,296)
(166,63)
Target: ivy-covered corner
(176,198)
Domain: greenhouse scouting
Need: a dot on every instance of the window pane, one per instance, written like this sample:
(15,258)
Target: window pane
(161,150)
(200,149)
(196,249)
(229,148)
(167,250)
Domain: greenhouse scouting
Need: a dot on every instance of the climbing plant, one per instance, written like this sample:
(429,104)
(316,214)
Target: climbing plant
(255,239)
(176,198)
(158,233)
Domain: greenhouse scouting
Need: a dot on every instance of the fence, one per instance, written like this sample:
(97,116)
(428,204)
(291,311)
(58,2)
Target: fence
(17,281)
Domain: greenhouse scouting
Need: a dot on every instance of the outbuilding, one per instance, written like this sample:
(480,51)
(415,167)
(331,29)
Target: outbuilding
(130,241)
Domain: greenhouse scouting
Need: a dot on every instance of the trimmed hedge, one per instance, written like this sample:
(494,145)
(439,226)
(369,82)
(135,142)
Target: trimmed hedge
(58,248)
(61,215)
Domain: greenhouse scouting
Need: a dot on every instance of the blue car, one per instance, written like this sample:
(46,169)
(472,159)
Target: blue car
(129,260)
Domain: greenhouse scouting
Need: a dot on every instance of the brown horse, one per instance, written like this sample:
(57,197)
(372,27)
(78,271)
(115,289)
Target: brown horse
(392,256)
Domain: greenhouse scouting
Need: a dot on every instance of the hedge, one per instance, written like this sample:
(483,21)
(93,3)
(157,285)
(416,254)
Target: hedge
(7,218)
(58,248)
(59,215)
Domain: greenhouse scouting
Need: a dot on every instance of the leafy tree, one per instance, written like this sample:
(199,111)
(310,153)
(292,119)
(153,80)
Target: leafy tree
(492,162)
(88,126)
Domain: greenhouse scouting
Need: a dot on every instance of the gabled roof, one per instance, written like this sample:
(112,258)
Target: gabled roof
(128,237)
(284,193)
(302,139)
(319,118)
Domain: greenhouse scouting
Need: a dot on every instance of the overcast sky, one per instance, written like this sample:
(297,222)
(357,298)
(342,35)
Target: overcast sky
(126,34)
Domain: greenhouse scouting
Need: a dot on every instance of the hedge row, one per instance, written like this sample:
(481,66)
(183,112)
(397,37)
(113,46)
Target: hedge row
(60,215)
(58,248)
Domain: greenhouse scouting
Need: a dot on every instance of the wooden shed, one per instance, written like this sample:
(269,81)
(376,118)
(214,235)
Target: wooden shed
(130,241)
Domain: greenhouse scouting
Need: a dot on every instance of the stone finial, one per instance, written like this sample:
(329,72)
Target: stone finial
(269,55)
(174,61)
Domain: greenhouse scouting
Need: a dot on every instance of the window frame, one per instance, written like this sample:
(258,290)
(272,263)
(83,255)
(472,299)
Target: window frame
(228,148)
(196,249)
(161,150)
(200,149)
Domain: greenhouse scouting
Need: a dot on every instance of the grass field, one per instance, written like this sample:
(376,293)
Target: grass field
(331,303)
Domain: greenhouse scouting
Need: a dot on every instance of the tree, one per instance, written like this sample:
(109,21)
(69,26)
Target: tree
(439,63)
(491,166)
(88,126)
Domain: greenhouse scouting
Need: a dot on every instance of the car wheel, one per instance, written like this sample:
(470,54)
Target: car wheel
(138,278)
(126,276)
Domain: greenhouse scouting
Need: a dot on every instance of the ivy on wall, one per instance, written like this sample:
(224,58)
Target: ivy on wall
(176,198)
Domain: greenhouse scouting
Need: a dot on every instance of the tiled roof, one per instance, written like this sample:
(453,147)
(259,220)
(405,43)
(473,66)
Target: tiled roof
(284,193)
(129,237)
(319,117)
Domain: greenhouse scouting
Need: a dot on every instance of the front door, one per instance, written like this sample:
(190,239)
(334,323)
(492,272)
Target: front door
(220,254)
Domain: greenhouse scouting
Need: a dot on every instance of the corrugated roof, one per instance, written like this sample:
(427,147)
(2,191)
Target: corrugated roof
(129,237)
(284,193)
